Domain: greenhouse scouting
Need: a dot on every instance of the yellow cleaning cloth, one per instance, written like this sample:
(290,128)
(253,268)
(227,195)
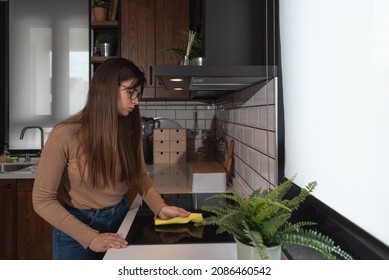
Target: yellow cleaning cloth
(193,217)
(196,232)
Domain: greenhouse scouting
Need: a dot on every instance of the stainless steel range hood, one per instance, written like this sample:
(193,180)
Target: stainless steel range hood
(236,51)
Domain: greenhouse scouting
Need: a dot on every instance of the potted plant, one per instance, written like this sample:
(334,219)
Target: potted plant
(105,43)
(100,9)
(262,221)
(196,47)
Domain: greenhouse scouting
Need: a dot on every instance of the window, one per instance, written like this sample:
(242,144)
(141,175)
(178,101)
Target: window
(49,70)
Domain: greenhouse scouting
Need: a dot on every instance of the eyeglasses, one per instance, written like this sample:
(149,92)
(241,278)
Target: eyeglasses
(132,93)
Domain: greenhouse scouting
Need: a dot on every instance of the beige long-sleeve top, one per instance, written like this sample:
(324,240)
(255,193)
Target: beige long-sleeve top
(57,170)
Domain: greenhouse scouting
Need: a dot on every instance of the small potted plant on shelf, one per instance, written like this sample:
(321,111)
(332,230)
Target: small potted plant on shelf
(261,223)
(193,47)
(105,44)
(100,9)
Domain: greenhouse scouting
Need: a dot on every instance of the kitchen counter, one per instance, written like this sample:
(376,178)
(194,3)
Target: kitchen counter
(205,251)
(169,179)
(26,173)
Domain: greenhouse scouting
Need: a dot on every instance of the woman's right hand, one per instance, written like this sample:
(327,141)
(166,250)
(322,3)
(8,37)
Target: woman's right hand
(104,241)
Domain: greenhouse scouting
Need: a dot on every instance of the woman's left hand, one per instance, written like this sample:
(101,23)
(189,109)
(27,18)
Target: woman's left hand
(168,212)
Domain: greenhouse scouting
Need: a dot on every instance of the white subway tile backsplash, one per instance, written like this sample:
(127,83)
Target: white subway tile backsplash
(271,143)
(241,187)
(148,113)
(239,133)
(260,182)
(238,166)
(209,124)
(253,117)
(248,117)
(153,103)
(254,159)
(264,166)
(243,116)
(205,114)
(251,122)
(231,115)
(182,123)
(272,171)
(248,136)
(260,140)
(263,117)
(169,114)
(184,115)
(248,175)
(244,153)
(271,118)
(201,124)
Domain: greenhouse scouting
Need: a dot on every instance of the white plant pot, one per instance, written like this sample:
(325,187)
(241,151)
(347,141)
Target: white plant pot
(247,252)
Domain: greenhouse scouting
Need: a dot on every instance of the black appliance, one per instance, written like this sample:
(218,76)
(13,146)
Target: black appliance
(144,232)
(147,139)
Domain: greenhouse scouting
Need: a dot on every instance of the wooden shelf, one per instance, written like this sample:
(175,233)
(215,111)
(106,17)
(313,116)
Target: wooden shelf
(106,23)
(99,59)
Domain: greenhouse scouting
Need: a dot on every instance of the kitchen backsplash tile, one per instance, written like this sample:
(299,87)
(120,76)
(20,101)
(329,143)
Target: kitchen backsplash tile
(183,113)
(260,140)
(271,117)
(271,143)
(251,123)
(248,117)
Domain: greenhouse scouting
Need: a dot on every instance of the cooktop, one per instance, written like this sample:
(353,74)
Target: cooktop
(143,231)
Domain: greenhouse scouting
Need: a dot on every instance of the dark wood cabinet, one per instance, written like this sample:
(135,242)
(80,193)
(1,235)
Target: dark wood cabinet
(24,235)
(33,233)
(8,220)
(147,28)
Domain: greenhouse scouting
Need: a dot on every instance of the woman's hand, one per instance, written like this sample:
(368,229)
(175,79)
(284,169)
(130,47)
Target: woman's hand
(168,212)
(104,241)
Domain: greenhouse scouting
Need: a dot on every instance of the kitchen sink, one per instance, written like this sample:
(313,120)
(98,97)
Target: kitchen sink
(6,168)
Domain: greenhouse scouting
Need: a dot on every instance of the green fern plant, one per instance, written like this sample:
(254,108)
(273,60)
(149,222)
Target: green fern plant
(262,220)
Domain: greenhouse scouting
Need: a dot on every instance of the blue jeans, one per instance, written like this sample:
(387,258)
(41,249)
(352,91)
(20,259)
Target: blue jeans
(102,220)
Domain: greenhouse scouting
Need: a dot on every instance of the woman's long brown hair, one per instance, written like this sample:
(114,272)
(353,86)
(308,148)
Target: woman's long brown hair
(107,139)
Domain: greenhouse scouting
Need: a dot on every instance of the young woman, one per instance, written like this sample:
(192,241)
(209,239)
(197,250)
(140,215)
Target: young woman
(92,167)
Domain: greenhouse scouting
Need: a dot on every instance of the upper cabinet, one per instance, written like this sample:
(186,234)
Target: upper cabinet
(104,31)
(147,28)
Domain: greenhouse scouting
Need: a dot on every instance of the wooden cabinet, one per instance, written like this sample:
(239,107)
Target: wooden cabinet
(8,220)
(33,233)
(24,235)
(148,27)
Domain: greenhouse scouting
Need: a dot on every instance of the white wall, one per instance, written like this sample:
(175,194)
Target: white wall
(335,62)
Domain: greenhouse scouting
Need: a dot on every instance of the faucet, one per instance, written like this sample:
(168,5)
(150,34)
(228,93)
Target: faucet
(32,127)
